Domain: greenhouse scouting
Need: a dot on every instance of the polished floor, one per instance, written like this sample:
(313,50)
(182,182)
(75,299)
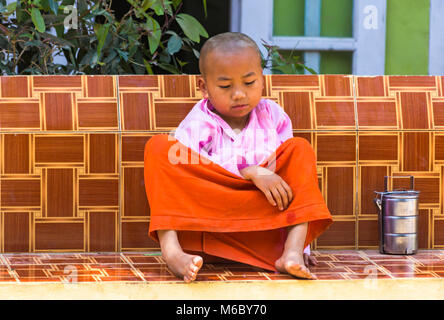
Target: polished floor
(145,267)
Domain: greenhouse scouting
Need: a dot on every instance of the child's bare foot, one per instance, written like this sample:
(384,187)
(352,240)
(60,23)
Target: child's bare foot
(293,264)
(184,266)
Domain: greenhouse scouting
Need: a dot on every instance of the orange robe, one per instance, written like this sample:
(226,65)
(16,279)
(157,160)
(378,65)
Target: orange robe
(221,214)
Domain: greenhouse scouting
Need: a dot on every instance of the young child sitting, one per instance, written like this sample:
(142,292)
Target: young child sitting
(243,188)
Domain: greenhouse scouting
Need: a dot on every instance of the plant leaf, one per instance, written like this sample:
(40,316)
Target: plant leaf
(148,67)
(191,27)
(174,44)
(101,37)
(37,19)
(123,55)
(54,6)
(154,34)
(204,2)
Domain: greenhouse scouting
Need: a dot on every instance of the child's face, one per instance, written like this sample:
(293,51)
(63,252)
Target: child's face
(233,83)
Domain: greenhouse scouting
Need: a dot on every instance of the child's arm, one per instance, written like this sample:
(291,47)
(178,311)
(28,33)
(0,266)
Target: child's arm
(277,191)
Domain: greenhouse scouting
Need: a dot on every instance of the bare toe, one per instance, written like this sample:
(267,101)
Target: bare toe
(298,270)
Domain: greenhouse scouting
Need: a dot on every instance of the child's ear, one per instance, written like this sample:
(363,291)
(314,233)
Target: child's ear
(202,87)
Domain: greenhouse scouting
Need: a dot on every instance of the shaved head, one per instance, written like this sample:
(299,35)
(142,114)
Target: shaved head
(227,42)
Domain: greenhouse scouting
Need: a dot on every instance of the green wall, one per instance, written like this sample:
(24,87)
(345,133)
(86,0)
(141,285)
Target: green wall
(288,17)
(336,21)
(337,18)
(407,37)
(407,33)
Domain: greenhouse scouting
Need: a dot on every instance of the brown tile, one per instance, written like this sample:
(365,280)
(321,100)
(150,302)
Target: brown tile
(371,179)
(100,86)
(414,110)
(340,191)
(439,147)
(163,278)
(102,153)
(246,278)
(56,81)
(297,106)
(207,277)
(304,135)
(122,272)
(16,232)
(336,147)
(370,86)
(59,193)
(337,85)
(438,232)
(399,268)
(353,256)
(424,236)
(368,233)
(32,279)
(340,233)
(108,259)
(376,114)
(438,113)
(30,273)
(442,85)
(135,235)
(80,278)
(411,81)
(20,115)
(16,259)
(52,236)
(16,155)
(135,111)
(14,87)
(142,260)
(170,114)
(416,151)
(97,115)
(102,233)
(323,270)
(135,81)
(20,193)
(429,188)
(294,81)
(335,113)
(133,147)
(333,276)
(98,192)
(59,149)
(371,276)
(135,199)
(176,86)
(378,147)
(414,275)
(58,111)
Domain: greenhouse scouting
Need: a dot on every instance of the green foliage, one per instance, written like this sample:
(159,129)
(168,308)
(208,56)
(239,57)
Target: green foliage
(278,64)
(32,31)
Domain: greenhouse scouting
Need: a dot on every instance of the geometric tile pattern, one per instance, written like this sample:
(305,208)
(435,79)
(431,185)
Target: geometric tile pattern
(71,153)
(142,268)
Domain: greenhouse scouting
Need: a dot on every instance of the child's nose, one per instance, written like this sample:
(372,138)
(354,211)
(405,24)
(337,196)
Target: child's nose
(238,94)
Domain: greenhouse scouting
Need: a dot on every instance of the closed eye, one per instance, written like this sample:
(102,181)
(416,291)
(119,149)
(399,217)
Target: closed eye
(250,83)
(224,87)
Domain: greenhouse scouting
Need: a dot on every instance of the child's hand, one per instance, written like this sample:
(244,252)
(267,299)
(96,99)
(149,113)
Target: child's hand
(272,185)
(309,260)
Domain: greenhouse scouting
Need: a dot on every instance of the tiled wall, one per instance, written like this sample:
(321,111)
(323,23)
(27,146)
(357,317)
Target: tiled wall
(71,153)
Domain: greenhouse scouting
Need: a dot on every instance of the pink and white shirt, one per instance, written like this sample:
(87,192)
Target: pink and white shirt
(209,135)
